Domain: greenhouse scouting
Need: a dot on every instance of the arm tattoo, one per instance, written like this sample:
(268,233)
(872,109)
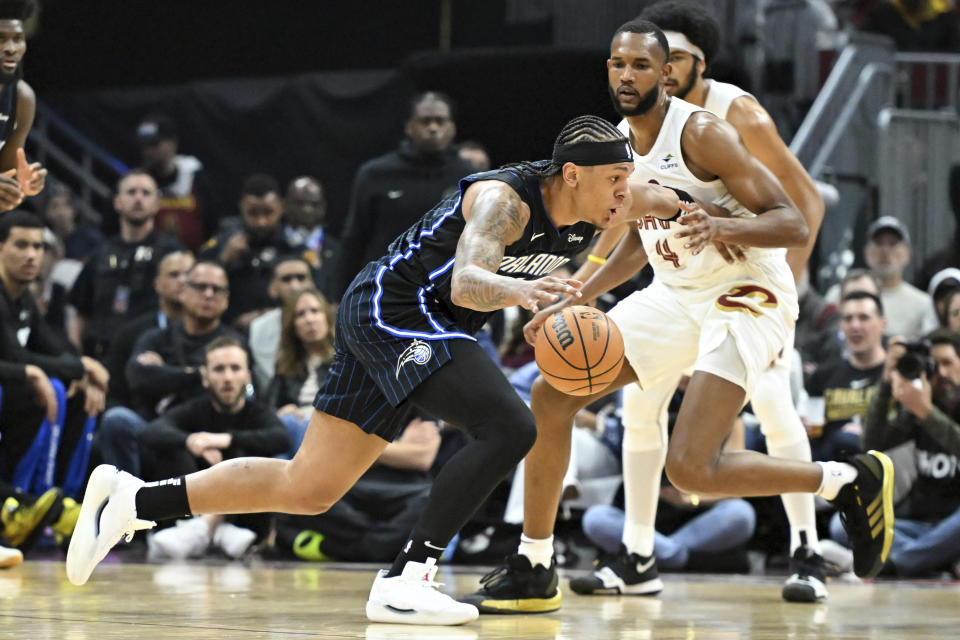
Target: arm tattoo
(498,219)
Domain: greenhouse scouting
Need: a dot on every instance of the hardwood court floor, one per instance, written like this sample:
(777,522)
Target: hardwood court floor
(286,601)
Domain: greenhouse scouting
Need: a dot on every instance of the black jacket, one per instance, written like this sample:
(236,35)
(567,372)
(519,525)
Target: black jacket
(179,375)
(256,429)
(25,338)
(390,193)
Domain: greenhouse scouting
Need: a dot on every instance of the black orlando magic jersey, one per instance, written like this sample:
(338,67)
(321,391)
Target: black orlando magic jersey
(413,280)
(8,110)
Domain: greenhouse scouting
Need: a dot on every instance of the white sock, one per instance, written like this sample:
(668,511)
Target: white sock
(835,476)
(799,506)
(641,486)
(538,551)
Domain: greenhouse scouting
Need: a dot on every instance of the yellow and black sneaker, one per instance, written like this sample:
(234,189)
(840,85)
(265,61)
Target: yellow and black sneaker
(64,525)
(22,524)
(866,511)
(518,587)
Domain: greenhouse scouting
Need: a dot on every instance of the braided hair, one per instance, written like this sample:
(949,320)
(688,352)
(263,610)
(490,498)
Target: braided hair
(580,129)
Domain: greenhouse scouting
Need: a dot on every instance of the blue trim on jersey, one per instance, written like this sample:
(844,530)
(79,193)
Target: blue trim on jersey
(441,334)
(423,309)
(441,270)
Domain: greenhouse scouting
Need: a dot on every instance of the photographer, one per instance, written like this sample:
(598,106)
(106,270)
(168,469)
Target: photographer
(919,401)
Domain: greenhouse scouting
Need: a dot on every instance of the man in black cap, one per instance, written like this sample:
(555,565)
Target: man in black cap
(186,197)
(909,310)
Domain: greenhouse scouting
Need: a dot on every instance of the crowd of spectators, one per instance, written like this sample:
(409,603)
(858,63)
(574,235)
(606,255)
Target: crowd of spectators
(191,333)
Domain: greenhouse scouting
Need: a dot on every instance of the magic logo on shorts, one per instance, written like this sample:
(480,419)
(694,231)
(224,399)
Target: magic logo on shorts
(419,352)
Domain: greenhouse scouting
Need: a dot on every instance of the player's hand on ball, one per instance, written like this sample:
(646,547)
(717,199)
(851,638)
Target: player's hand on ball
(539,294)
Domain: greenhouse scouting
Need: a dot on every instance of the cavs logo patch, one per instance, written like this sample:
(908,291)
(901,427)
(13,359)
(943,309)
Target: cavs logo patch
(419,352)
(746,298)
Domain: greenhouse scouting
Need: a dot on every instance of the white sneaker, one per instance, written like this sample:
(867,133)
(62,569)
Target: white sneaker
(108,514)
(10,557)
(233,540)
(413,598)
(190,538)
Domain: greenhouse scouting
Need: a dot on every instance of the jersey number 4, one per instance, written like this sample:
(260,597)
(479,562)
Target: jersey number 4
(667,253)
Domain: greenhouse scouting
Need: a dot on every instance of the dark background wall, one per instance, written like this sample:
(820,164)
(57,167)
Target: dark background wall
(311,87)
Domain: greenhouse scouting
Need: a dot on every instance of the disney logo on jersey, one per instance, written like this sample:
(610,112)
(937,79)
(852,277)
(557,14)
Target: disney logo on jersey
(536,265)
(574,238)
(419,352)
(667,162)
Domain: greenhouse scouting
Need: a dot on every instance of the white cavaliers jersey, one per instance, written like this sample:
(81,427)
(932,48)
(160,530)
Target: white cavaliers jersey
(720,95)
(674,265)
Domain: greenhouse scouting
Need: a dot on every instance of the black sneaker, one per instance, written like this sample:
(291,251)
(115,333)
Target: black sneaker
(621,574)
(866,510)
(518,587)
(807,577)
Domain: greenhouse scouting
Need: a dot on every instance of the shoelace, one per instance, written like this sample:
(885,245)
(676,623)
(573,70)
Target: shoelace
(502,570)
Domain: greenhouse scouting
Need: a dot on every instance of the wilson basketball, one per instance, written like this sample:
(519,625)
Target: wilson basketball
(579,350)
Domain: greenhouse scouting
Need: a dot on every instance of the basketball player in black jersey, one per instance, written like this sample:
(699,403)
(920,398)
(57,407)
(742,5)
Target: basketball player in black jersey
(18,105)
(404,342)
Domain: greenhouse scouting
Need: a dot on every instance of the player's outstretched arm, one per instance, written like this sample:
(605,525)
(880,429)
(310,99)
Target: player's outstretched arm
(625,261)
(714,148)
(496,217)
(605,243)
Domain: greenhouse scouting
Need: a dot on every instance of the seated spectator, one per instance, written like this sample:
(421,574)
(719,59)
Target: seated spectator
(164,368)
(816,326)
(49,293)
(31,353)
(250,252)
(303,363)
(116,283)
(942,285)
(701,532)
(188,207)
(59,213)
(221,425)
(305,213)
(291,274)
(376,514)
(909,310)
(924,411)
(840,391)
(952,311)
(169,285)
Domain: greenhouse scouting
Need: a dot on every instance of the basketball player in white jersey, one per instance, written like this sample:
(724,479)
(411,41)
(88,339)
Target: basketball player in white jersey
(693,36)
(729,320)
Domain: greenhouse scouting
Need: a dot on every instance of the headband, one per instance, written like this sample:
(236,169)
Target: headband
(588,154)
(677,40)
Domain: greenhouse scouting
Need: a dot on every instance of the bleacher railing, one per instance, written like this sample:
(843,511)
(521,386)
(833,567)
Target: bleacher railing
(74,159)
(928,80)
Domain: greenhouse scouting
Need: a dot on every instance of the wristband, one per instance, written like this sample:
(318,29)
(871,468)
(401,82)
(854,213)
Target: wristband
(597,259)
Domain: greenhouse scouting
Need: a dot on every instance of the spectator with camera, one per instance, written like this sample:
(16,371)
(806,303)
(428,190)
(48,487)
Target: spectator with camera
(839,391)
(918,401)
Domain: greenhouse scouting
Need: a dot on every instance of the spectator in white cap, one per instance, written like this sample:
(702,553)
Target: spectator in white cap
(910,312)
(943,285)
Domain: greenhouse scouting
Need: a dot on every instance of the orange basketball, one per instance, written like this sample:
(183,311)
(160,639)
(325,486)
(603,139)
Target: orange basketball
(579,350)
